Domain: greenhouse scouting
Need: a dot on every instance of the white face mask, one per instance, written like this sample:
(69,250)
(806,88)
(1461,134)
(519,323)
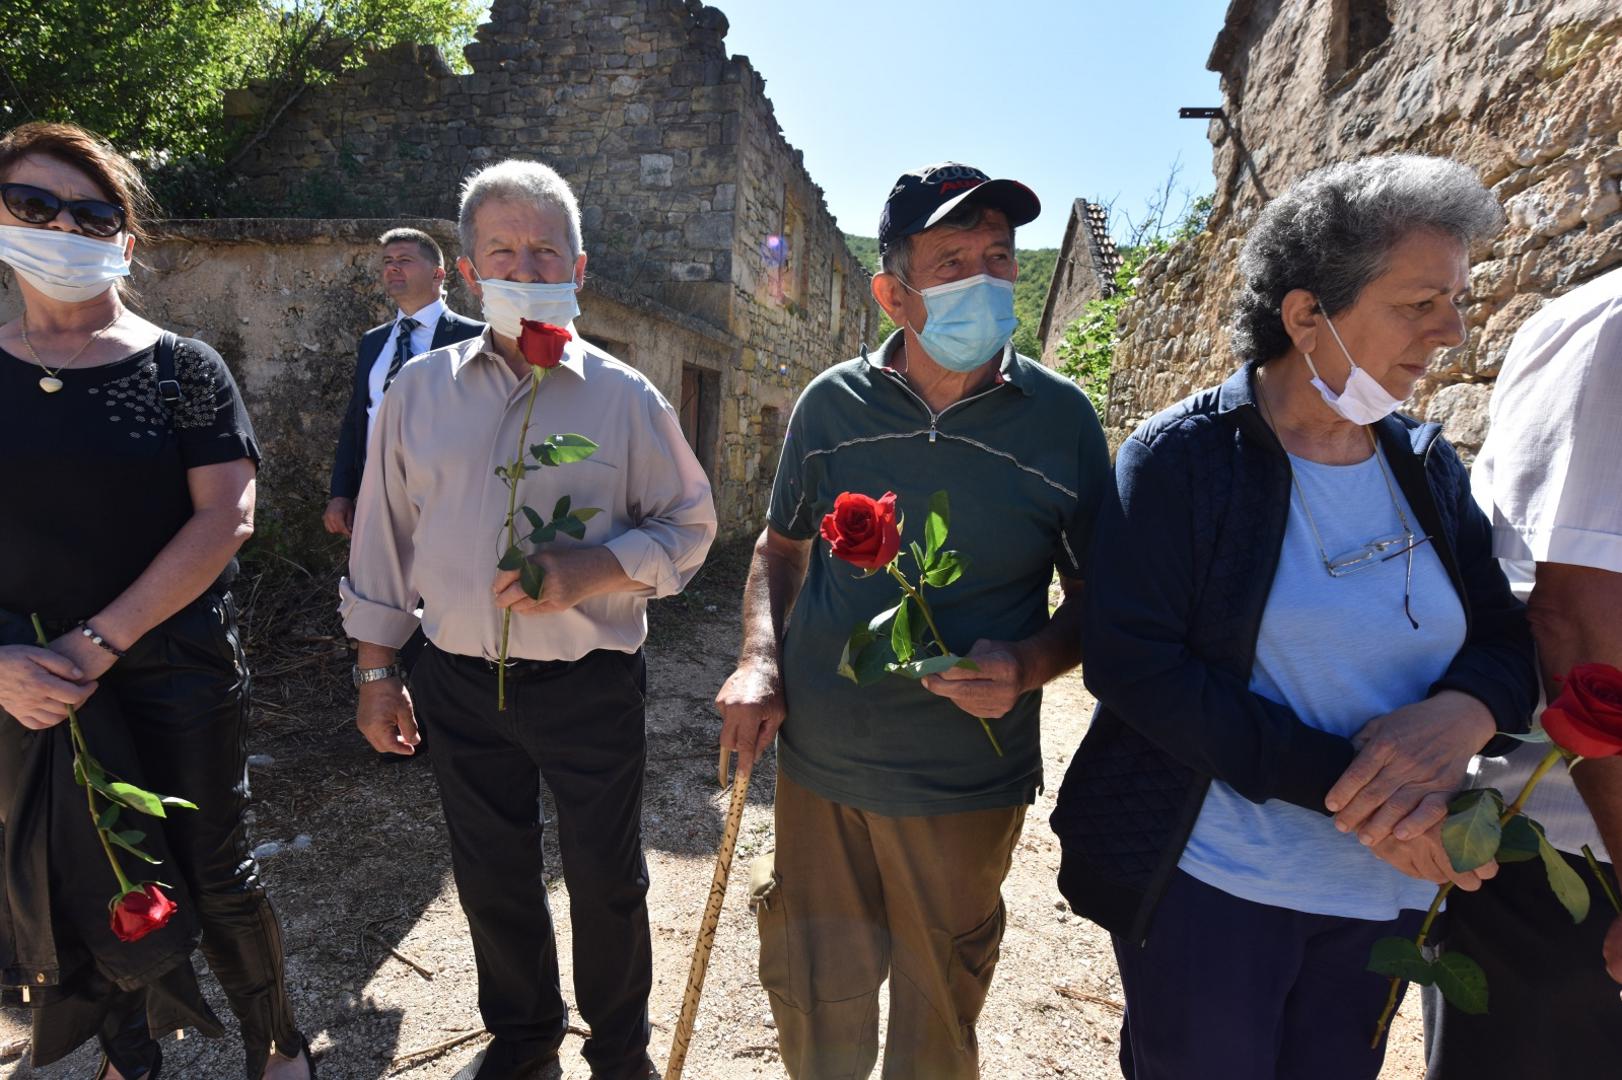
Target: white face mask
(64,266)
(1363,400)
(508,303)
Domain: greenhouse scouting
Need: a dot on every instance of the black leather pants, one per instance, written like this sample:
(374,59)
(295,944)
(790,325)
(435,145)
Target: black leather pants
(184,690)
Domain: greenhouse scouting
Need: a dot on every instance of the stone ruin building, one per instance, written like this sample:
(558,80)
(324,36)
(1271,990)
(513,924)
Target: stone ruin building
(715,267)
(1526,92)
(1085,270)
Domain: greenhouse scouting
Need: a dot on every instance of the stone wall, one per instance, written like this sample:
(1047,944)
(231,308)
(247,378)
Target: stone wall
(285,302)
(800,300)
(1526,92)
(631,100)
(690,194)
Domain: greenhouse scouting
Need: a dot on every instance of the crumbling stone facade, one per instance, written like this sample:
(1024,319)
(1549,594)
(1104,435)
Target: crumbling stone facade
(1084,271)
(1527,92)
(690,195)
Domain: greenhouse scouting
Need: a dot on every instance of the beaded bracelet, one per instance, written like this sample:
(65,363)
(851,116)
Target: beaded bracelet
(100,642)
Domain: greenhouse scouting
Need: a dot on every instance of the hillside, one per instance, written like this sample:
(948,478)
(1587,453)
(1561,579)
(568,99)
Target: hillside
(1030,291)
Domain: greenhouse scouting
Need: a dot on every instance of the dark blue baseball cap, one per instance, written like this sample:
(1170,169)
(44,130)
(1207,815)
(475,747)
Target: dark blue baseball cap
(923,197)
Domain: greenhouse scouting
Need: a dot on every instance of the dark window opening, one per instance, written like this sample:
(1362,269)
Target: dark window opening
(1357,28)
(699,413)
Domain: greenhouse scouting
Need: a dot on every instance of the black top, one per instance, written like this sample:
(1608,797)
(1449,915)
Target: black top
(93,477)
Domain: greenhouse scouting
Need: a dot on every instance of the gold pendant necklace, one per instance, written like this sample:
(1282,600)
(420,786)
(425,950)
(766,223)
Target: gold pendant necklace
(49,381)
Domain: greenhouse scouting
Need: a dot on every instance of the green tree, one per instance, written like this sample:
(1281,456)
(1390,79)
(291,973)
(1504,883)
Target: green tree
(866,250)
(147,74)
(1031,296)
(1086,353)
(151,75)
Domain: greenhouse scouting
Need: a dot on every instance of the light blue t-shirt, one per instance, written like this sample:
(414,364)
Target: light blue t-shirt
(1339,652)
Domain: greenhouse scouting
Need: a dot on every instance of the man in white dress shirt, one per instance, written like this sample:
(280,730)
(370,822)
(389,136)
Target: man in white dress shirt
(1550,478)
(413,275)
(428,524)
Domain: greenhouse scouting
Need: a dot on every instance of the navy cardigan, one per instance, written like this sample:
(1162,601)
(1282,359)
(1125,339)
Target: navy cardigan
(1183,559)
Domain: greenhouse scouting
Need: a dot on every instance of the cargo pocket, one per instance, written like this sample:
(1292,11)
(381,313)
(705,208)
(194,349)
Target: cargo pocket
(969,967)
(784,968)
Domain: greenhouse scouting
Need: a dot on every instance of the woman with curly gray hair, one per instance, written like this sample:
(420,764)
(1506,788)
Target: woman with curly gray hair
(1298,637)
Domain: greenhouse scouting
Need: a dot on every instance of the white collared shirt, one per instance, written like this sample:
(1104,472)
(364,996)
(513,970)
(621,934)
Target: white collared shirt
(1549,477)
(422,339)
(428,521)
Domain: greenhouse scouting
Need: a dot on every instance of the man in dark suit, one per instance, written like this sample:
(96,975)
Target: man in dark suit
(414,278)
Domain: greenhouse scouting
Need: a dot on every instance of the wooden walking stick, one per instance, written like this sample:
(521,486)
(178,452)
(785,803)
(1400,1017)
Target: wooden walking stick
(712,915)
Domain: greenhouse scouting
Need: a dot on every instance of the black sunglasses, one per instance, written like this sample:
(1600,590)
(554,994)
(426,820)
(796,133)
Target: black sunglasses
(40,207)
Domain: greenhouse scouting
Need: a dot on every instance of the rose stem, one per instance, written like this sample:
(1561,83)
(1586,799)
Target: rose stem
(929,620)
(81,750)
(1604,883)
(512,511)
(1510,811)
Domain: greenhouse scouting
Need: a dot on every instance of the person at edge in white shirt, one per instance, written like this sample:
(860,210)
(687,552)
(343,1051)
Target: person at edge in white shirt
(428,524)
(1549,477)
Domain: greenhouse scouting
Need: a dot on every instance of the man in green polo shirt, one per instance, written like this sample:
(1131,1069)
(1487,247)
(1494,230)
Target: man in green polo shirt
(896,819)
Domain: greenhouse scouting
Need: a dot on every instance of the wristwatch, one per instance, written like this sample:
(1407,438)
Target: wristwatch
(361,676)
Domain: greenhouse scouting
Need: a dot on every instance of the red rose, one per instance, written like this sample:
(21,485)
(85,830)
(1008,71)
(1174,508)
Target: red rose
(542,343)
(862,530)
(141,911)
(1586,718)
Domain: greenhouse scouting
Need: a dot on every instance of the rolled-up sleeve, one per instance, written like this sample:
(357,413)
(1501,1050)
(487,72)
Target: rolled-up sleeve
(377,601)
(668,502)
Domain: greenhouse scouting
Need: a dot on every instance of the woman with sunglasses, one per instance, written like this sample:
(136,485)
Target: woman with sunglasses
(1298,637)
(127,467)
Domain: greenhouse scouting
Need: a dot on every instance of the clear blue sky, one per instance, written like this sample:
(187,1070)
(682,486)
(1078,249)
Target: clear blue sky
(1073,97)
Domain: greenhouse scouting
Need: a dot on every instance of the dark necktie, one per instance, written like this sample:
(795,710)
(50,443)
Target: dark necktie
(402,348)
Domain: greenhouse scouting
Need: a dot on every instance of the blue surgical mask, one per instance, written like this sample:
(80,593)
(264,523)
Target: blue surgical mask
(969,321)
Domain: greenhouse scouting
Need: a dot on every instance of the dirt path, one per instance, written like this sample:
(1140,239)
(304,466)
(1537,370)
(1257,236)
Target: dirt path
(375,875)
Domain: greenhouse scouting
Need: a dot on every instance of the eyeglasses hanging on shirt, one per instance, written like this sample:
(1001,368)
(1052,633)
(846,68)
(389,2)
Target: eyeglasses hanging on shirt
(1375,552)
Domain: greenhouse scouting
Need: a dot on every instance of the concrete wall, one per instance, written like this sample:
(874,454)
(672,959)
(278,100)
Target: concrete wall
(285,302)
(1526,92)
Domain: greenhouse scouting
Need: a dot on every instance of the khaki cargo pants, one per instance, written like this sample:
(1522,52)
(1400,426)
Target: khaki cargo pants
(857,898)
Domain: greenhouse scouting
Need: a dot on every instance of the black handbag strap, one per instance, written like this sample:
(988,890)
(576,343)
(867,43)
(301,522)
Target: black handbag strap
(168,385)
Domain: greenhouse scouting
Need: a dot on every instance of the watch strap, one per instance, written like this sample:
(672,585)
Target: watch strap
(361,676)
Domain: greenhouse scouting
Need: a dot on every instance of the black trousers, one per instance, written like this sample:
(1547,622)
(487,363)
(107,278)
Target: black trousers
(579,724)
(1552,1009)
(183,689)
